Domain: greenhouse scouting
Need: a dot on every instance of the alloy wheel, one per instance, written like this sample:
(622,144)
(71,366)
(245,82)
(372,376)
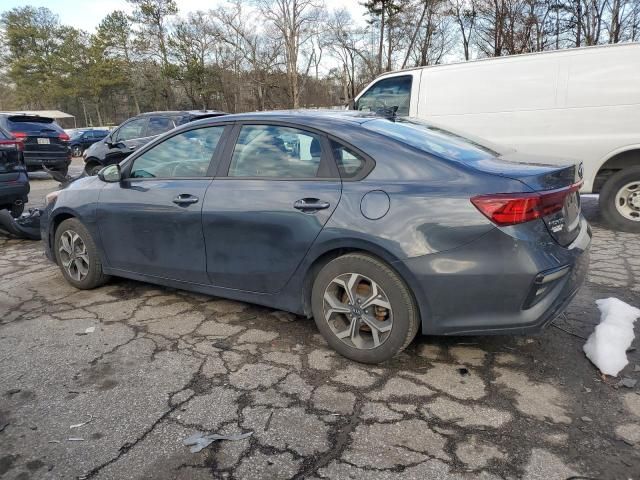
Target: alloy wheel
(73,255)
(628,201)
(358,311)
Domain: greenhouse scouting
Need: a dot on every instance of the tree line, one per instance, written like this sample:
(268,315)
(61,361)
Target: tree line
(269,54)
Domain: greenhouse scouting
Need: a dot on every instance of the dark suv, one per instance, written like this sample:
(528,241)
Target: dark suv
(134,133)
(14,183)
(83,139)
(45,142)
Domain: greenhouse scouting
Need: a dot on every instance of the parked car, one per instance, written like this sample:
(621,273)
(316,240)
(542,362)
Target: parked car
(83,139)
(14,182)
(579,103)
(45,143)
(377,227)
(135,132)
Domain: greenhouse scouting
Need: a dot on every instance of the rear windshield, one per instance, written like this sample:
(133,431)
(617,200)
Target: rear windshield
(430,139)
(32,125)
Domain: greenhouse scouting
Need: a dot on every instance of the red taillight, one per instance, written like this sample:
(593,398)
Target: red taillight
(63,136)
(17,144)
(512,208)
(19,135)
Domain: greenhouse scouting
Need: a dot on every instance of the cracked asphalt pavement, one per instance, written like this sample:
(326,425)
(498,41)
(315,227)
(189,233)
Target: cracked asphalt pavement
(162,364)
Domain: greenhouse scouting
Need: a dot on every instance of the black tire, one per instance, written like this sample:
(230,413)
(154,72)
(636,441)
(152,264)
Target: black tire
(608,193)
(17,210)
(405,314)
(76,151)
(92,169)
(95,276)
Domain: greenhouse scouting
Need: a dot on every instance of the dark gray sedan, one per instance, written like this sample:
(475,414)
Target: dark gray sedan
(377,227)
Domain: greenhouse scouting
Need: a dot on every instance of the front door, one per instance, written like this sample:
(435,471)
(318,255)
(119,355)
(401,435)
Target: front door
(151,222)
(263,214)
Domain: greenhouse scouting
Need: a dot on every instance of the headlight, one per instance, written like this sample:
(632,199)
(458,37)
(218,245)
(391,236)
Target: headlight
(51,197)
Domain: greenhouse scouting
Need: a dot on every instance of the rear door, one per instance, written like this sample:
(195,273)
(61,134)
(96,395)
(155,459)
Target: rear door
(277,187)
(150,223)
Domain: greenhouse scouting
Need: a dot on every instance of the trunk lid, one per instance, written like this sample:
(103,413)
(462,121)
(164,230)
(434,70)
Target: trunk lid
(557,182)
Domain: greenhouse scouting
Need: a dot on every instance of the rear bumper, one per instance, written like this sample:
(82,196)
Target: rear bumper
(485,287)
(39,159)
(13,187)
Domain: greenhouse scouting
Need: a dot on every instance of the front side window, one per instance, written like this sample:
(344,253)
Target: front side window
(132,129)
(386,95)
(187,154)
(158,125)
(272,151)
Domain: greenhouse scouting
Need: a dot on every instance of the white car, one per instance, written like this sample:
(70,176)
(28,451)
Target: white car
(582,104)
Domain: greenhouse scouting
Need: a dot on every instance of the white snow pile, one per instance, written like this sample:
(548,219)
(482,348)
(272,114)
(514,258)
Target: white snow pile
(607,346)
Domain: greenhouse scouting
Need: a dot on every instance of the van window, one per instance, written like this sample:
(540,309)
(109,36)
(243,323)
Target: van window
(430,139)
(387,94)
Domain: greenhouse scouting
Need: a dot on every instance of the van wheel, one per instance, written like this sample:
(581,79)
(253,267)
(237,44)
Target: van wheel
(77,255)
(620,200)
(363,309)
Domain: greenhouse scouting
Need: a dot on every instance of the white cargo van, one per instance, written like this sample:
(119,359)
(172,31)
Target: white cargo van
(582,104)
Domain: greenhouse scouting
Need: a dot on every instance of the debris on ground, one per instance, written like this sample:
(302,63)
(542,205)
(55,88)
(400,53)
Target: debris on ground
(78,425)
(75,439)
(90,330)
(586,419)
(606,347)
(627,382)
(25,226)
(200,440)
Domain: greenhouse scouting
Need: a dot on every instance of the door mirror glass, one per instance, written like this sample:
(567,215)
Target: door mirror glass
(110,174)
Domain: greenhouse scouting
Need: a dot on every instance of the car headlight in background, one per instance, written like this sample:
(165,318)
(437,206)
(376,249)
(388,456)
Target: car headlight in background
(51,197)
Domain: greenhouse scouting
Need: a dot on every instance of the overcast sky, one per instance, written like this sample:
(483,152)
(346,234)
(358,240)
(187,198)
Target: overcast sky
(87,14)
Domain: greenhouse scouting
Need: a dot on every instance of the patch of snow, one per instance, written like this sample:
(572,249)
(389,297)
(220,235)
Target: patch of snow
(607,346)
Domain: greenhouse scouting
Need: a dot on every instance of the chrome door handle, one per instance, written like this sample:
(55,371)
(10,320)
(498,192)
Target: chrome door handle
(185,199)
(310,205)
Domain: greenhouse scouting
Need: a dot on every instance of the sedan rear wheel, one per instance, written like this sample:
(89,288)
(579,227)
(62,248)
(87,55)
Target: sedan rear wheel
(77,256)
(363,308)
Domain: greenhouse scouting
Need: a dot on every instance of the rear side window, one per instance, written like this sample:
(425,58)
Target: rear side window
(158,125)
(430,139)
(277,152)
(32,125)
(3,135)
(350,164)
(387,94)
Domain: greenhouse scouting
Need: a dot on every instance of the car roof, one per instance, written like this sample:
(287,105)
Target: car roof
(327,120)
(174,113)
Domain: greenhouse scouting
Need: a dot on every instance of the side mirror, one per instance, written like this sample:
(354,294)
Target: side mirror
(110,174)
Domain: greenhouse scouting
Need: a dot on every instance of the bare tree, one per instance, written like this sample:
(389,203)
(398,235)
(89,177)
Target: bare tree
(294,21)
(465,15)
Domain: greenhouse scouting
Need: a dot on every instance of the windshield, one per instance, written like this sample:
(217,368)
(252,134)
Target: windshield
(431,139)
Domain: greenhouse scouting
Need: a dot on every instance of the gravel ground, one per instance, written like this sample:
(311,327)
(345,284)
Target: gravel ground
(162,364)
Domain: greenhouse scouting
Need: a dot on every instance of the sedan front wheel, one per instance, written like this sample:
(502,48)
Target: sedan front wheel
(77,256)
(363,308)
